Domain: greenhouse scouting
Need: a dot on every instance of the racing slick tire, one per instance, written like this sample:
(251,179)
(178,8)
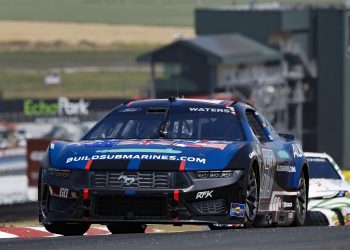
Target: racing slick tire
(252,199)
(316,218)
(68,229)
(301,202)
(126,228)
(251,203)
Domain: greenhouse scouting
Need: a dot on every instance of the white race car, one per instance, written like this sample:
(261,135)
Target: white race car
(329,192)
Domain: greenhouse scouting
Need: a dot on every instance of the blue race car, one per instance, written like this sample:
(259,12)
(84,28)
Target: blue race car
(175,161)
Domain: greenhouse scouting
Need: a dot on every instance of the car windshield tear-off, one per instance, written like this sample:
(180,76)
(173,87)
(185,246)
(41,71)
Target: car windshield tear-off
(162,126)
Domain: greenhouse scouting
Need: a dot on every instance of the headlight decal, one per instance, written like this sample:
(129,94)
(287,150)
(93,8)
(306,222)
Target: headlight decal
(217,174)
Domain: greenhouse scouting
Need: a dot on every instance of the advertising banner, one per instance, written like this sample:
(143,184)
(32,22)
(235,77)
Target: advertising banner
(36,149)
(61,108)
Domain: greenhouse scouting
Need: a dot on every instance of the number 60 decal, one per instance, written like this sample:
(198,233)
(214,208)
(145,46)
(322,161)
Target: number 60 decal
(269,161)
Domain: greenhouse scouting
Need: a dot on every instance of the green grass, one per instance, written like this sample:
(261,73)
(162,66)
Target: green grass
(144,12)
(99,85)
(41,59)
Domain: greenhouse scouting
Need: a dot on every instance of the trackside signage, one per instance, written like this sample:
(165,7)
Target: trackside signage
(63,107)
(29,109)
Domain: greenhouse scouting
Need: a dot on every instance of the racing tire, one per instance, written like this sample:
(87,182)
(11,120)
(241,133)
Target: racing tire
(315,218)
(300,203)
(68,229)
(126,228)
(252,199)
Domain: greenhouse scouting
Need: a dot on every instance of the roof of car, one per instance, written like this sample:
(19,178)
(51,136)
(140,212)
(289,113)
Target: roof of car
(185,102)
(180,101)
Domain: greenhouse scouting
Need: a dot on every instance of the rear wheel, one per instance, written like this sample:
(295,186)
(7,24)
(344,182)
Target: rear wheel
(125,228)
(67,229)
(315,218)
(301,202)
(252,199)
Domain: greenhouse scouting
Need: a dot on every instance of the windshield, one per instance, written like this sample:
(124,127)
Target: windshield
(321,168)
(135,123)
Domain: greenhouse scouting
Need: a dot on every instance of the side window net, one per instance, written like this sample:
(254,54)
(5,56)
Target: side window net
(256,126)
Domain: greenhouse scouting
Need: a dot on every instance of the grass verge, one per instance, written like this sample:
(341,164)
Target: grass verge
(74,85)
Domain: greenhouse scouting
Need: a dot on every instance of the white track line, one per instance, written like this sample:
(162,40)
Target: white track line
(4,235)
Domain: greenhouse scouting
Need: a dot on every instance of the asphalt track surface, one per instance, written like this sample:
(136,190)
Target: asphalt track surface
(257,238)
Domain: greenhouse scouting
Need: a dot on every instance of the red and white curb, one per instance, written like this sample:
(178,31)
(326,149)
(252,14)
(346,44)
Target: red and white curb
(34,232)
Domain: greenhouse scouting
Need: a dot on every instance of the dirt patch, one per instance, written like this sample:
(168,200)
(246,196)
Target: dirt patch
(82,33)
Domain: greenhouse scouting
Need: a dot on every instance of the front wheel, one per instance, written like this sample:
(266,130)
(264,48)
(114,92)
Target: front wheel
(125,228)
(68,229)
(252,199)
(301,202)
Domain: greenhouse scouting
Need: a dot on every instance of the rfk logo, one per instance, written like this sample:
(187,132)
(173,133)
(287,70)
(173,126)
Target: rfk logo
(204,194)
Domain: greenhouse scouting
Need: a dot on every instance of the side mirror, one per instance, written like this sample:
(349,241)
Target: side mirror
(287,137)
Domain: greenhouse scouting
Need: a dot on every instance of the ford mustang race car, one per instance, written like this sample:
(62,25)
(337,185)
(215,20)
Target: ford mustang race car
(329,202)
(175,161)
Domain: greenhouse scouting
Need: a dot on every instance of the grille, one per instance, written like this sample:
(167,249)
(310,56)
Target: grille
(136,206)
(104,179)
(210,207)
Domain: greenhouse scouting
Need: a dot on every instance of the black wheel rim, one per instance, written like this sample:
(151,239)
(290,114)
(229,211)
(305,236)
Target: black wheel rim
(251,205)
(301,198)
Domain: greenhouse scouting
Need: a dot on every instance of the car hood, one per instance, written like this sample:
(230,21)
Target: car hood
(327,187)
(168,155)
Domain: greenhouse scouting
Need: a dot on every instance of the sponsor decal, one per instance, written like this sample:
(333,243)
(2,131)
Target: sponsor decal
(267,173)
(126,180)
(297,150)
(283,154)
(287,204)
(214,110)
(316,160)
(137,156)
(276,203)
(52,145)
(130,110)
(63,192)
(290,216)
(283,168)
(237,210)
(281,199)
(252,154)
(63,106)
(204,194)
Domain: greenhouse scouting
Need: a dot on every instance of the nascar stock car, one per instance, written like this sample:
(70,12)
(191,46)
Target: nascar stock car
(329,202)
(174,161)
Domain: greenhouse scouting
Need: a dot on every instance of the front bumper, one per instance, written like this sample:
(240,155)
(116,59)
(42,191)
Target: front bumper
(184,200)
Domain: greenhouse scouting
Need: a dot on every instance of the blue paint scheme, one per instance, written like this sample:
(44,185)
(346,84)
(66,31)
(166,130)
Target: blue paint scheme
(215,159)
(277,161)
(130,192)
(134,165)
(64,155)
